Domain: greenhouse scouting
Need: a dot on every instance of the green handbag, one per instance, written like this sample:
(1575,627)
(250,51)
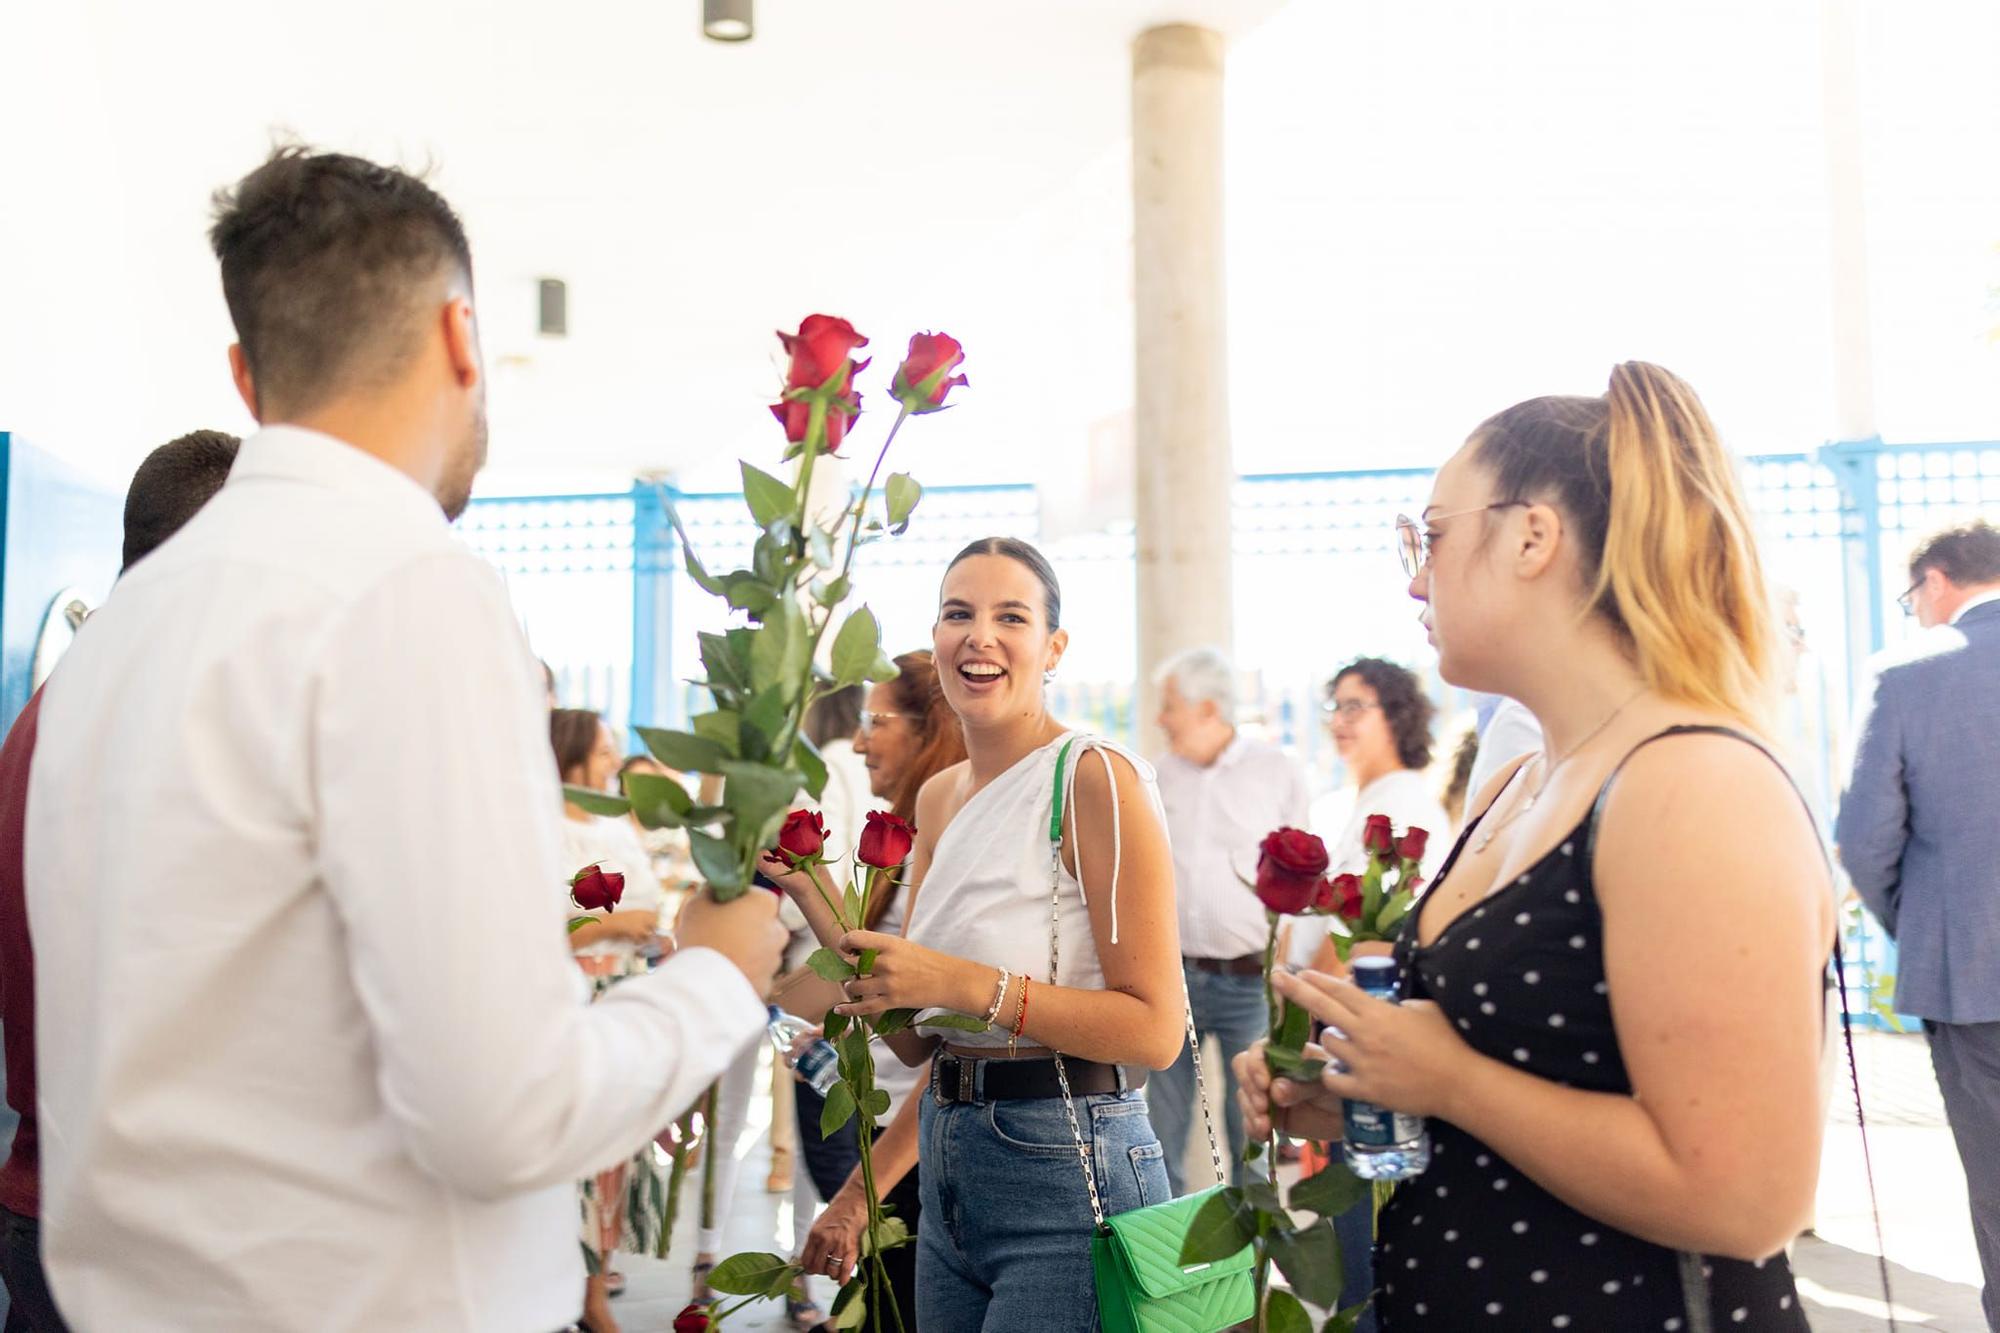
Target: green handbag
(1135,1256)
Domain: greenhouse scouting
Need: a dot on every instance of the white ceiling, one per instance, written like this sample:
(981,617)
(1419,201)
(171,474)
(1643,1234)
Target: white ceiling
(908,163)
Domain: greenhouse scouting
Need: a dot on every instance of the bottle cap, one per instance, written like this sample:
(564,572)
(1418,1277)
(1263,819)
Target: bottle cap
(1375,972)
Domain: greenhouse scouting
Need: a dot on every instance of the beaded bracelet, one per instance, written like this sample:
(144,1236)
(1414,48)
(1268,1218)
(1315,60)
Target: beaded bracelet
(1020,1018)
(999,997)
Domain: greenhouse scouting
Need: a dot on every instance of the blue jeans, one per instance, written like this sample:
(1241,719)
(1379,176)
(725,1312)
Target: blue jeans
(1355,1229)
(1005,1244)
(1233,1009)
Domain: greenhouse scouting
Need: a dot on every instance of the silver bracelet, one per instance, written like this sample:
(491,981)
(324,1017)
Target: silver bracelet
(999,997)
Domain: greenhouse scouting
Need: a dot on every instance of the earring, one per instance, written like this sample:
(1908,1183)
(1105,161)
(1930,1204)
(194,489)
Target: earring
(1049,676)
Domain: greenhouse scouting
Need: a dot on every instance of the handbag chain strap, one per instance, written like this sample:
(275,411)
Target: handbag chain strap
(1062,1074)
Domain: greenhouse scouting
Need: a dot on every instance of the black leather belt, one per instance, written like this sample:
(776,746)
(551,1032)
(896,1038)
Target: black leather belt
(1249,965)
(963,1080)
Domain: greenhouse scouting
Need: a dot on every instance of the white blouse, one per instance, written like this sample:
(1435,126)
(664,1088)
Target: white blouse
(614,844)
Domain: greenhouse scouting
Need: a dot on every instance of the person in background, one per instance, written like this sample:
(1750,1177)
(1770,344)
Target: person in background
(1459,785)
(908,735)
(548,679)
(673,863)
(617,943)
(1223,793)
(176,479)
(1510,732)
(1918,835)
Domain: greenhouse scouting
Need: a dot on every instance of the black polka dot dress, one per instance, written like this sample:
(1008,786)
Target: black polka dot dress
(1471,1243)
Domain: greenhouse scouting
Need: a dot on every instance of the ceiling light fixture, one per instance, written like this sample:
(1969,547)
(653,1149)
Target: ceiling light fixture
(726,20)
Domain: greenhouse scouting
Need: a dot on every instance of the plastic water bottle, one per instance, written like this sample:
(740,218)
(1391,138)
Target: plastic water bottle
(819,1066)
(1381,1144)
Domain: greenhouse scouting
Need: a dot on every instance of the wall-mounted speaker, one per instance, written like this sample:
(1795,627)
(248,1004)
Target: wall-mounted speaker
(555,308)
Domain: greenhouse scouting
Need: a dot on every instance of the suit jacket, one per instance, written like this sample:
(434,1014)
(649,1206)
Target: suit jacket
(1919,828)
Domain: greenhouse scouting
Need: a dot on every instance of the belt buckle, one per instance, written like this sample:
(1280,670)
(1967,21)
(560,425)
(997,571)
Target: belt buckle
(959,1092)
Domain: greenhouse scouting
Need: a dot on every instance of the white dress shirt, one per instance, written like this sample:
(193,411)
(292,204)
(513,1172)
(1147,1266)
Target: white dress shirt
(1216,817)
(1511,732)
(1406,797)
(313,1052)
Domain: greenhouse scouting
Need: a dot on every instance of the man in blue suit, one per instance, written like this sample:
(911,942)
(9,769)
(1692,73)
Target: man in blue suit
(1919,833)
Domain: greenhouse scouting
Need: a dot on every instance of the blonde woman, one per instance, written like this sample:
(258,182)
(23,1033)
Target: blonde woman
(1614,988)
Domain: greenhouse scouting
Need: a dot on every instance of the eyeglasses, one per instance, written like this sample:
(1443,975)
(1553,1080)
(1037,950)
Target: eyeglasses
(1414,544)
(869,719)
(1908,601)
(1346,708)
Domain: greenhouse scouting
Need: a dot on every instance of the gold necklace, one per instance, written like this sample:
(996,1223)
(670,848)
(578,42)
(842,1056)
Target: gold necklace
(1487,835)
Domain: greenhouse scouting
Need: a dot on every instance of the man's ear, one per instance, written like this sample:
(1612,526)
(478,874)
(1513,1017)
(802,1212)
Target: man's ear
(246,388)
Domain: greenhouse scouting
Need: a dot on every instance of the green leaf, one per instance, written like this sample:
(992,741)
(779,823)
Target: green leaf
(720,728)
(660,802)
(901,492)
(1283,1313)
(888,1234)
(1220,1229)
(878,1103)
(830,594)
(1263,1196)
(779,653)
(725,660)
(839,1109)
(856,647)
(716,859)
(577,923)
(888,1024)
(597,802)
(850,1307)
(769,499)
(834,1025)
(956,1022)
(707,582)
(757,793)
(805,758)
(680,750)
(1310,1260)
(1253,1150)
(768,715)
(830,966)
(754,1275)
(819,547)
(747,592)
(1347,1320)
(1330,1191)
(885,668)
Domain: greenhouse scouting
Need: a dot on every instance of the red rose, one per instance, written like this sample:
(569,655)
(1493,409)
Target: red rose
(1379,835)
(840,414)
(803,837)
(693,1319)
(1411,848)
(593,887)
(885,841)
(921,381)
(819,350)
(1289,865)
(1347,896)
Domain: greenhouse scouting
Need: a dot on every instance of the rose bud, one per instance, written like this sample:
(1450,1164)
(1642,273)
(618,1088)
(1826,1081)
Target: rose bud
(593,888)
(1289,865)
(693,1319)
(885,841)
(1347,896)
(1411,848)
(1379,835)
(921,382)
(819,350)
(803,838)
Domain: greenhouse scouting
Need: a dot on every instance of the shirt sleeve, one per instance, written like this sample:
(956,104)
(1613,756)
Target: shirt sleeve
(438,810)
(1874,824)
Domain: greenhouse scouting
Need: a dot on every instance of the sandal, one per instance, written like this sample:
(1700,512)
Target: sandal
(614,1283)
(807,1317)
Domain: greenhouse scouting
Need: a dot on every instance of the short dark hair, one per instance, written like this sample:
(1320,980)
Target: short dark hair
(1405,706)
(1013,548)
(572,735)
(1967,553)
(835,715)
(176,479)
(322,257)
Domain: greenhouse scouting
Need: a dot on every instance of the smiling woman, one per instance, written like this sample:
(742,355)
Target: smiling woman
(1063,945)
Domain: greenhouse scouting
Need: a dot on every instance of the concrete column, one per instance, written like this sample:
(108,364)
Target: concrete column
(1184,473)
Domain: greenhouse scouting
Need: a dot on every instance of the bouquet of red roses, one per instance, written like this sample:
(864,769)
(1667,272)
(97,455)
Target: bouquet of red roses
(1370,907)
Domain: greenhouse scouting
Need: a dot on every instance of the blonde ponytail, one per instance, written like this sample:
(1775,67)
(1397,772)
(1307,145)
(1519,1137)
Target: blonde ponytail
(1680,570)
(1666,547)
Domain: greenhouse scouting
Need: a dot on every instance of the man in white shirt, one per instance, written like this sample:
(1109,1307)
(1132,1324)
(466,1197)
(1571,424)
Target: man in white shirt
(313,1053)
(1223,793)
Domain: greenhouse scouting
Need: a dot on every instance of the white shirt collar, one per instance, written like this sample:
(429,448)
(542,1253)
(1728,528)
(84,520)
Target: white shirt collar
(1986,598)
(296,453)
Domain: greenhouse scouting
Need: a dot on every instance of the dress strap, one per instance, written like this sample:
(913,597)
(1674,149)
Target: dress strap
(1706,729)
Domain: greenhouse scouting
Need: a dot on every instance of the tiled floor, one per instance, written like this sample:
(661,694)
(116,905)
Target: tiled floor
(1934,1270)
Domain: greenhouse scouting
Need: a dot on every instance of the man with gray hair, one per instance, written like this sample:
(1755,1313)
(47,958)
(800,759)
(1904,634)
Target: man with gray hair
(1919,840)
(1223,792)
